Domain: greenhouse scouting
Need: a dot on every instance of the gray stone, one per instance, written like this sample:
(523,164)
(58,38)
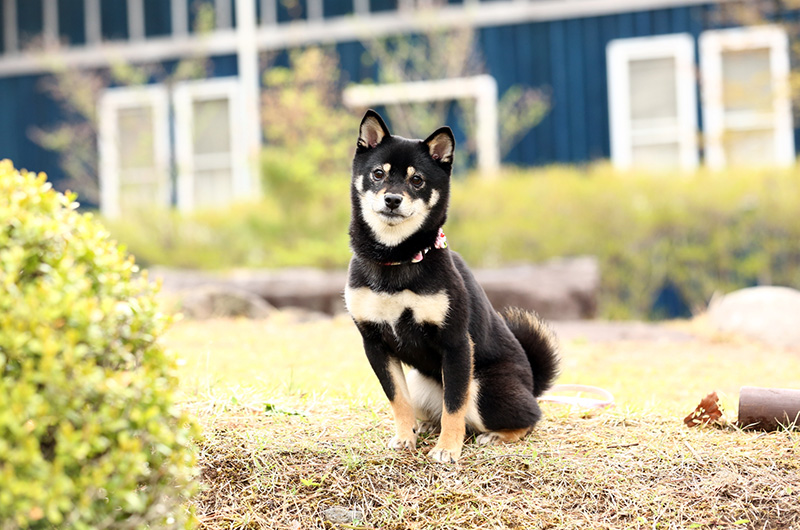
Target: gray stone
(558,289)
(339,515)
(215,301)
(767,314)
(311,289)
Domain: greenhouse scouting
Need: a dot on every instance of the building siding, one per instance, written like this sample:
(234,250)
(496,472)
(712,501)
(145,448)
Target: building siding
(565,59)
(71,23)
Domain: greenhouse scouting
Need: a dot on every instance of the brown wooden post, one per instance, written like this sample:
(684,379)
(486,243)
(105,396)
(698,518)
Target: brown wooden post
(768,409)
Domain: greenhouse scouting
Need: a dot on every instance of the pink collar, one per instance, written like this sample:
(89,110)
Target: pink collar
(441,242)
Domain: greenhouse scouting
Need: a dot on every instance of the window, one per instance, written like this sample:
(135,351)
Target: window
(481,88)
(211,160)
(652,102)
(134,149)
(209,150)
(747,116)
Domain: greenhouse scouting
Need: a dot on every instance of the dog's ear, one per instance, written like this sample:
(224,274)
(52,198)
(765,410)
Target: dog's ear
(441,145)
(372,130)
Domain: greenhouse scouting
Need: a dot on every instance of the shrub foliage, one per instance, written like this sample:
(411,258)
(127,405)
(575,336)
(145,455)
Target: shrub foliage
(698,233)
(89,434)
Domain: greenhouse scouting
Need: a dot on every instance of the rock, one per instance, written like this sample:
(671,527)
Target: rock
(298,315)
(311,289)
(212,301)
(559,289)
(767,314)
(339,515)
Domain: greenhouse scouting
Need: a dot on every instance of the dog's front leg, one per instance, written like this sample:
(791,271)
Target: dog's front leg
(393,381)
(405,423)
(456,378)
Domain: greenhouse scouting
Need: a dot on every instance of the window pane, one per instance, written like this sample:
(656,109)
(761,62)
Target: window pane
(30,22)
(291,10)
(382,5)
(212,132)
(213,175)
(661,155)
(71,21)
(652,89)
(136,138)
(747,80)
(139,188)
(158,18)
(114,19)
(749,147)
(212,187)
(337,8)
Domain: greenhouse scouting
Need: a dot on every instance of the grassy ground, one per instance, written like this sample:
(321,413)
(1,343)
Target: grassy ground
(295,425)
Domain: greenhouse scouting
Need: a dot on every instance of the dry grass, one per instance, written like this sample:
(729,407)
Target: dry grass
(278,453)
(611,471)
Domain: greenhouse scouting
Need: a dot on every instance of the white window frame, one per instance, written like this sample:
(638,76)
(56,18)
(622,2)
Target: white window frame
(10,35)
(183,96)
(481,88)
(619,54)
(111,102)
(712,45)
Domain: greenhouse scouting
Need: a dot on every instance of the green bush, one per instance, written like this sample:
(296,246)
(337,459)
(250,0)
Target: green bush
(701,233)
(90,436)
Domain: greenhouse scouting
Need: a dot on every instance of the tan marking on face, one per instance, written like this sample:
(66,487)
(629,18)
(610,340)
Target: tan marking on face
(359,182)
(366,305)
(387,167)
(410,171)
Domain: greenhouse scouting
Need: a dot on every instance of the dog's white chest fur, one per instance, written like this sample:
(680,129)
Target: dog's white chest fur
(366,305)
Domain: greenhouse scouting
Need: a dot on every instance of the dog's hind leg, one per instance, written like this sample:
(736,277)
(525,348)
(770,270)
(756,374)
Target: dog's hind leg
(507,406)
(504,436)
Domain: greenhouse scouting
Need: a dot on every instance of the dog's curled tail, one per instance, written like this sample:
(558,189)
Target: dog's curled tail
(539,343)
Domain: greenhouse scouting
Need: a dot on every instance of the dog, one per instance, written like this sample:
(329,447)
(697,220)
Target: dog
(415,302)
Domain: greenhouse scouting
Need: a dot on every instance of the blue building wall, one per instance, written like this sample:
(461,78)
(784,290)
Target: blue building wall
(566,59)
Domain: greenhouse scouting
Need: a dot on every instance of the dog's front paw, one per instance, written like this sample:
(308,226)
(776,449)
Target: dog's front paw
(401,443)
(445,456)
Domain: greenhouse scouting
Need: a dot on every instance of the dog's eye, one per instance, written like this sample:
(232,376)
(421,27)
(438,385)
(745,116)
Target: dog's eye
(417,181)
(378,174)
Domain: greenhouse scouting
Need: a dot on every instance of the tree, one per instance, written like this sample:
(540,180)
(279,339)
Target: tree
(442,54)
(78,91)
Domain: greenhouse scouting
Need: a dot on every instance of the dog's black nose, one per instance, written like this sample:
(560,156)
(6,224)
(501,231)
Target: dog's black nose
(392,200)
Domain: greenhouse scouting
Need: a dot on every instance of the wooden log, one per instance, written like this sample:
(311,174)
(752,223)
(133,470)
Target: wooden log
(769,409)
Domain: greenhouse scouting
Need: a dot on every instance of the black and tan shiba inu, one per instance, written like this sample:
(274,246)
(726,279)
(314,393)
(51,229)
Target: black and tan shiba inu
(416,303)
